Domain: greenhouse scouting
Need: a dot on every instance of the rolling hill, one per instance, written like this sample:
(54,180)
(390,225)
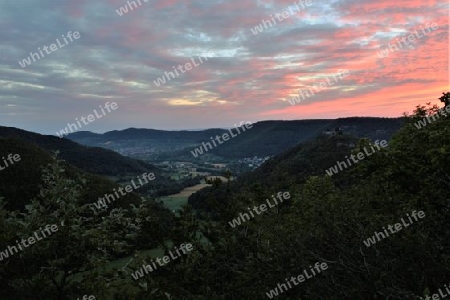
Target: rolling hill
(265,138)
(89,159)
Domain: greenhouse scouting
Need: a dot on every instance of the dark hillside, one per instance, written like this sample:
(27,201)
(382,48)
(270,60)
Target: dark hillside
(21,182)
(94,160)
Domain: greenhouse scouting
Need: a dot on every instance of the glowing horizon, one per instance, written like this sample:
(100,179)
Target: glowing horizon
(246,75)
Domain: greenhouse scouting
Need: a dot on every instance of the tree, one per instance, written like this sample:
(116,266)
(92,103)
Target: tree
(64,263)
(445,98)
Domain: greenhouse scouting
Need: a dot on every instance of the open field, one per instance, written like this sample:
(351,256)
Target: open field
(176,201)
(189,190)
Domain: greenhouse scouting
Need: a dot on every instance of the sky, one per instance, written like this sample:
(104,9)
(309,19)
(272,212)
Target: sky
(245,74)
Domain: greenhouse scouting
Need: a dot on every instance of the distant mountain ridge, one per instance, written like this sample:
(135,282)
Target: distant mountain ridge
(89,159)
(265,138)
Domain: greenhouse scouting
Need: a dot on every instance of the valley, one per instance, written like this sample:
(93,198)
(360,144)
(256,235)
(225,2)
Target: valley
(207,203)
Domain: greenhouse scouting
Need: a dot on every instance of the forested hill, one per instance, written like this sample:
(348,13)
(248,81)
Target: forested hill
(292,167)
(22,181)
(334,219)
(265,138)
(90,159)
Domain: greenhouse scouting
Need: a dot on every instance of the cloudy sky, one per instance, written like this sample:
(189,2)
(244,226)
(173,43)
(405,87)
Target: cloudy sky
(246,76)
